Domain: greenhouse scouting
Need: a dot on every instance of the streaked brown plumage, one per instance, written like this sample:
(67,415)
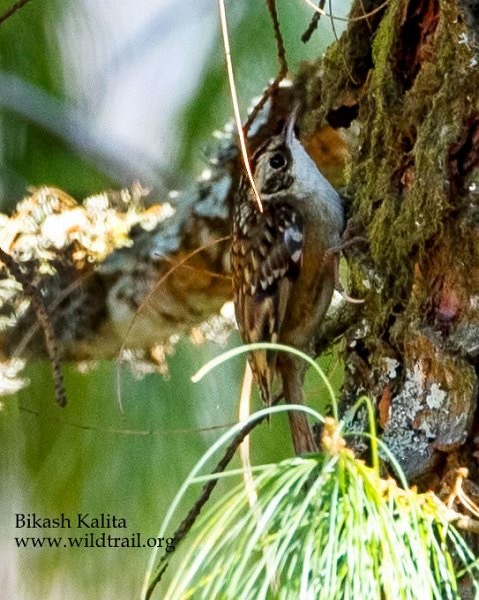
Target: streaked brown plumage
(283,273)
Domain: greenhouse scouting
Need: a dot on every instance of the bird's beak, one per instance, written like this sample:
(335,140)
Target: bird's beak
(290,123)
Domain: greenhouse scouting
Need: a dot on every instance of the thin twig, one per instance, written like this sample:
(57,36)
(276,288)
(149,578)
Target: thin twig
(278,36)
(345,62)
(346,19)
(20,349)
(283,65)
(206,272)
(12,10)
(366,15)
(234,99)
(126,432)
(314,22)
(44,319)
(245,447)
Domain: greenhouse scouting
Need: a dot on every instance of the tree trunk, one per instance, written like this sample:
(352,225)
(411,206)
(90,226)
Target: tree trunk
(410,74)
(403,84)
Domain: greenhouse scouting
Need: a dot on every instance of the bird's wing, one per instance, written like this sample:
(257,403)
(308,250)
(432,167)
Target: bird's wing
(267,253)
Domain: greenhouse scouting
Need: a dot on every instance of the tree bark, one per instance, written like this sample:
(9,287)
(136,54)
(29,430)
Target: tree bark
(410,74)
(402,83)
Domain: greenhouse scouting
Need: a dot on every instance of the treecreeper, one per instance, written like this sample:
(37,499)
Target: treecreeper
(285,263)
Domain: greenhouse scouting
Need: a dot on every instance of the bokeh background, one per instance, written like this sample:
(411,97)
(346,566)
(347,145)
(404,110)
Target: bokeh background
(96,95)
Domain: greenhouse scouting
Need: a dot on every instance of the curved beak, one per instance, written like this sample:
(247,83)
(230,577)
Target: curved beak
(290,123)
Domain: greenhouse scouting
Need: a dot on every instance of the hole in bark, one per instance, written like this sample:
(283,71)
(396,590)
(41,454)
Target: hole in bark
(343,116)
(416,39)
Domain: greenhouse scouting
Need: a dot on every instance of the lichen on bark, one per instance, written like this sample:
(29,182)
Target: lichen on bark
(412,179)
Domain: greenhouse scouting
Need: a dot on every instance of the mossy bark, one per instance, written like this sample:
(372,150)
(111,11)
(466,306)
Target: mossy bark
(406,81)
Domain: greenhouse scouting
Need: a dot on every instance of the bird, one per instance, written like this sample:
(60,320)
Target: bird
(284,259)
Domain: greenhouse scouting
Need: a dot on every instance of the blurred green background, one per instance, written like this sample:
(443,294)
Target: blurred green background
(93,96)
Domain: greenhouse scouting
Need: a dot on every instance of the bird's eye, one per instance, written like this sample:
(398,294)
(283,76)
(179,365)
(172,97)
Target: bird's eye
(277,161)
